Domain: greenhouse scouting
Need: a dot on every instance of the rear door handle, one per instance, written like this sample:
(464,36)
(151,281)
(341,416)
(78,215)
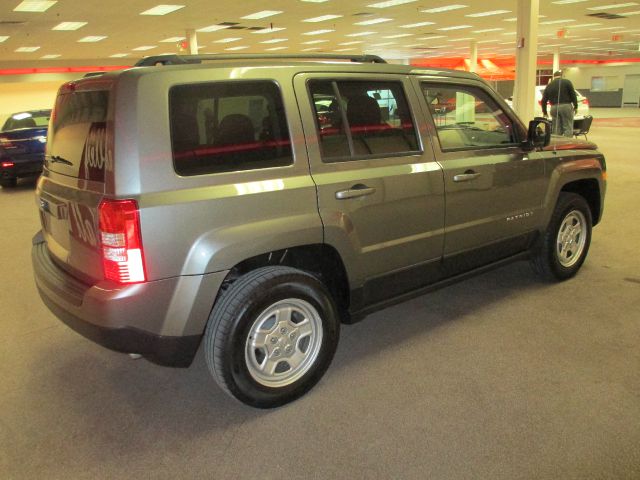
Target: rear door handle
(355,191)
(466,176)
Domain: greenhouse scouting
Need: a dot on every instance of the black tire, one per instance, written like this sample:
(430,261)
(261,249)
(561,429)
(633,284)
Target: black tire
(564,246)
(8,182)
(236,347)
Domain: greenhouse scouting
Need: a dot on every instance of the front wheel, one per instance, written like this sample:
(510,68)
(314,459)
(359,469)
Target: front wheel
(271,336)
(565,244)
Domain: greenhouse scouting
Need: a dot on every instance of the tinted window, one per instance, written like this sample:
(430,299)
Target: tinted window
(27,120)
(227,126)
(362,118)
(467,117)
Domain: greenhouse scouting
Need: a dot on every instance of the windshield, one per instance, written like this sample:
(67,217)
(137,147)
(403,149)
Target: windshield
(32,119)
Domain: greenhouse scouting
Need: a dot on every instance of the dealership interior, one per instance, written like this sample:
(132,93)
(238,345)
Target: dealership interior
(499,376)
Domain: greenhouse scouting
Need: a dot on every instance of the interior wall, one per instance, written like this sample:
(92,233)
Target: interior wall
(29,92)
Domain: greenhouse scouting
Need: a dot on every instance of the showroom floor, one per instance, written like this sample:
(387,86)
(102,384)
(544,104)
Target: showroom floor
(498,377)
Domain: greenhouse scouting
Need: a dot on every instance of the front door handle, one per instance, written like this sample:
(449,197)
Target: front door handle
(466,176)
(358,190)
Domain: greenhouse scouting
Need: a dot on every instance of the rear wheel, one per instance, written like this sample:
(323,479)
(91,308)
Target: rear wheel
(564,247)
(271,336)
(8,182)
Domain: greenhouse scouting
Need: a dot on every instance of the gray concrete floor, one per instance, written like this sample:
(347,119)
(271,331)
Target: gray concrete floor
(497,377)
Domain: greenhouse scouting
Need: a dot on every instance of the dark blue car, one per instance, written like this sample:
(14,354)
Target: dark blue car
(22,142)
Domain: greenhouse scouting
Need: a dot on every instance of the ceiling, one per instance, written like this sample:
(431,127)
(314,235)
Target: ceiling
(613,34)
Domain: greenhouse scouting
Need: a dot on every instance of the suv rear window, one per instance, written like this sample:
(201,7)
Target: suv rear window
(228,126)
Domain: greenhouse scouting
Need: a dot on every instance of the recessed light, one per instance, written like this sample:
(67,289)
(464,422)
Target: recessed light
(275,40)
(390,3)
(231,49)
(3,38)
(613,6)
(35,6)
(373,21)
(212,28)
(318,32)
(455,27)
(172,39)
(262,14)
(162,9)
(488,14)
(144,48)
(50,56)
(69,26)
(26,49)
(322,18)
(269,30)
(447,8)
(416,25)
(228,40)
(92,38)
(360,34)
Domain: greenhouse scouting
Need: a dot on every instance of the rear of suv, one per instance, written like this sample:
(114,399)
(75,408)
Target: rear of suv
(253,205)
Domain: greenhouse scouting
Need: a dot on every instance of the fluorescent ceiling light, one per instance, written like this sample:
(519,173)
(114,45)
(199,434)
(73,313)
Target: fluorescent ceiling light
(35,6)
(92,38)
(310,49)
(275,40)
(262,14)
(389,3)
(69,26)
(212,28)
(318,32)
(613,6)
(354,42)
(416,25)
(119,55)
(313,42)
(628,14)
(231,49)
(553,22)
(444,9)
(373,21)
(314,1)
(582,25)
(486,30)
(50,56)
(399,35)
(268,30)
(488,14)
(383,44)
(431,37)
(272,49)
(228,40)
(460,39)
(322,18)
(351,49)
(162,9)
(3,38)
(455,27)
(360,34)
(26,49)
(144,48)
(565,2)
(606,28)
(172,39)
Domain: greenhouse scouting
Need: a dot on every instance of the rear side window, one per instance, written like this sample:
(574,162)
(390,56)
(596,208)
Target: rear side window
(356,119)
(228,126)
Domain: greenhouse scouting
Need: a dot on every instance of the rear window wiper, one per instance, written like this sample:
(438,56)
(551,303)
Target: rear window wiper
(58,159)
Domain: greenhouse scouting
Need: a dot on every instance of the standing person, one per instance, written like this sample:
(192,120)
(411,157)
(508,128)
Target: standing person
(564,104)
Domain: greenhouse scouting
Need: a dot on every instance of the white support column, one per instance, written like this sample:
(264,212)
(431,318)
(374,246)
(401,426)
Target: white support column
(556,59)
(526,52)
(473,58)
(192,38)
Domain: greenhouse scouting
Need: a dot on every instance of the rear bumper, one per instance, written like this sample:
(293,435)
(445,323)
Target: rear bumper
(21,167)
(162,320)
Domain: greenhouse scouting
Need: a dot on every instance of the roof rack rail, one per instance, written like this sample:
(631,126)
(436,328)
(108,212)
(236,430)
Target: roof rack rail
(184,59)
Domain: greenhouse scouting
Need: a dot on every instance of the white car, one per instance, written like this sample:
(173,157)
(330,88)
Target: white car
(583,104)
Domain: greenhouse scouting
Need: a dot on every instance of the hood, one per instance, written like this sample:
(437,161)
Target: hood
(566,143)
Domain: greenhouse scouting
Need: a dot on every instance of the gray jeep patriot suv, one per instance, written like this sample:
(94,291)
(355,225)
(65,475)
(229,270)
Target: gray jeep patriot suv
(257,203)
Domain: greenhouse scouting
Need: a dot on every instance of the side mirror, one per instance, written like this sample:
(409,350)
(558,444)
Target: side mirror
(539,134)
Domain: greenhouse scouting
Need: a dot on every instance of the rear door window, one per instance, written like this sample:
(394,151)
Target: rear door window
(228,126)
(359,119)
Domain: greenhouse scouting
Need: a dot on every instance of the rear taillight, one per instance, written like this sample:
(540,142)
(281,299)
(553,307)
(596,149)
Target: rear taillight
(7,164)
(6,143)
(121,241)
(585,101)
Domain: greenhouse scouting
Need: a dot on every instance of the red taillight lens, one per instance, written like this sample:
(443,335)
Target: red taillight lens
(7,164)
(585,101)
(121,241)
